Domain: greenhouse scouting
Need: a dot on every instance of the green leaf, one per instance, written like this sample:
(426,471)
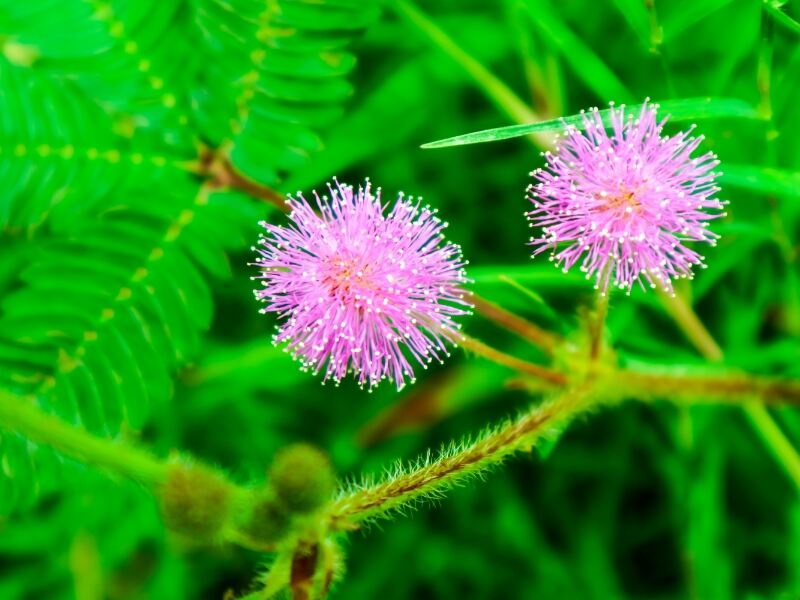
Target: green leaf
(685,109)
(773,9)
(689,14)
(588,66)
(274,74)
(66,161)
(635,13)
(763,180)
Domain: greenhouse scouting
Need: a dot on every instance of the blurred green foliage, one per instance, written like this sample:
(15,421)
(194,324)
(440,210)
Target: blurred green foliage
(104,107)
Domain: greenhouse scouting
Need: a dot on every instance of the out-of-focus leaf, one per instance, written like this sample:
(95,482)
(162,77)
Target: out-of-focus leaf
(591,69)
(764,180)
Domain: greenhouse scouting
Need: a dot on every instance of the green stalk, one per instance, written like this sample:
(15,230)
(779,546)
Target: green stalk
(775,439)
(21,415)
(769,431)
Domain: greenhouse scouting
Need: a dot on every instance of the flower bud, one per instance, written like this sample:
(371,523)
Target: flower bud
(302,478)
(269,521)
(195,501)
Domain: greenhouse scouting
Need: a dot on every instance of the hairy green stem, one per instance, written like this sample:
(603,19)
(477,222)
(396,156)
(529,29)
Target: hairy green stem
(21,415)
(430,477)
(516,109)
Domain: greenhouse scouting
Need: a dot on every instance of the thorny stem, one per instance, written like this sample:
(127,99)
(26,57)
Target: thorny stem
(371,501)
(761,420)
(515,324)
(276,579)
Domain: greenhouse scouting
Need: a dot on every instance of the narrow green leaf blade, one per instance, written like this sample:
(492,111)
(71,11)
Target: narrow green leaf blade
(685,109)
(762,179)
(588,66)
(781,17)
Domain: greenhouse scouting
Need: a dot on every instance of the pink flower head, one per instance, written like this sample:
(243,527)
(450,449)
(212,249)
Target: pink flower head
(359,290)
(624,202)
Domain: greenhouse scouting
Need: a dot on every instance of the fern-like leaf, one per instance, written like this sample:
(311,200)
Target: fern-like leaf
(274,73)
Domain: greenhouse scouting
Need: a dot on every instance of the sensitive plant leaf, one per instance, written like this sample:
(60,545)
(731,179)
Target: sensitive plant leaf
(68,161)
(127,57)
(685,109)
(275,74)
(362,134)
(116,300)
(107,313)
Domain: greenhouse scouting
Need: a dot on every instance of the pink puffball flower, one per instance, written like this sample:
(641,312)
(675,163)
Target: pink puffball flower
(360,289)
(624,202)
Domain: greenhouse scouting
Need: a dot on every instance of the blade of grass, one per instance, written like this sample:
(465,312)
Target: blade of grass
(689,15)
(780,17)
(589,67)
(773,436)
(497,91)
(526,274)
(762,179)
(685,109)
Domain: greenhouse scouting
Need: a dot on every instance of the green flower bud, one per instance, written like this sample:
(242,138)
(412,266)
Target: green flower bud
(269,521)
(196,501)
(302,478)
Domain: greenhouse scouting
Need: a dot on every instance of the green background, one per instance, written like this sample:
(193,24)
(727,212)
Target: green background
(634,502)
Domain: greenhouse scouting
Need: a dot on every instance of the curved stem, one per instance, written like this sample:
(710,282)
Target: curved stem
(22,416)
(772,435)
